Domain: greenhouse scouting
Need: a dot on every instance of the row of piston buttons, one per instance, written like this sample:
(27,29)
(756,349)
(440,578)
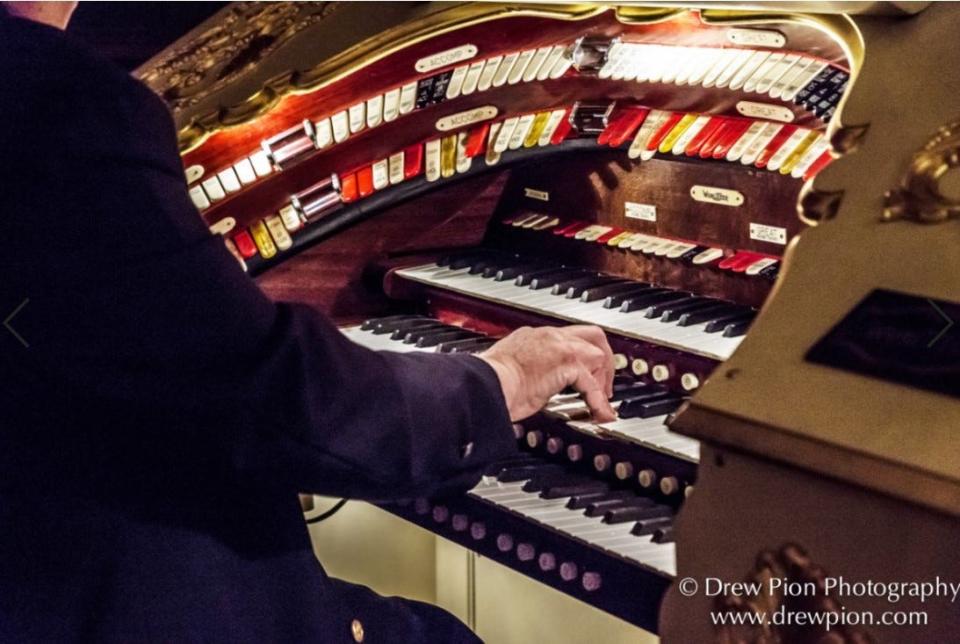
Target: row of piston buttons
(505,542)
(659,372)
(623,470)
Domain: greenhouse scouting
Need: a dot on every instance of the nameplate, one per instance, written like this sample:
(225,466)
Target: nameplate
(765,111)
(223,226)
(756,38)
(445,58)
(769,234)
(641,211)
(539,195)
(469,117)
(721,196)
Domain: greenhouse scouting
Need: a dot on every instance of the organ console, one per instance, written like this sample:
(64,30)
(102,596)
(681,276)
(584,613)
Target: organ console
(433,175)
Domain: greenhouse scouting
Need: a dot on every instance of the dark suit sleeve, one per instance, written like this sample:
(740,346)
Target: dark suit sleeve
(134,305)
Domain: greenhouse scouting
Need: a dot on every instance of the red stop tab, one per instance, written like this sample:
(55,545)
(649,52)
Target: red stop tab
(412,161)
(774,145)
(348,188)
(562,130)
(693,148)
(244,244)
(476,141)
(365,181)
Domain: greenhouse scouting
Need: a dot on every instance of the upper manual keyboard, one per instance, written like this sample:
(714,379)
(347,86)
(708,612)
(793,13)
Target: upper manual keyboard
(678,319)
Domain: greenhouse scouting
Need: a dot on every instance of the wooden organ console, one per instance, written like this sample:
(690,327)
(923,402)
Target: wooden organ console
(433,175)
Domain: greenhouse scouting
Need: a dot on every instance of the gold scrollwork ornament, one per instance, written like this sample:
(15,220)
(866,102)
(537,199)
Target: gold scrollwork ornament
(919,196)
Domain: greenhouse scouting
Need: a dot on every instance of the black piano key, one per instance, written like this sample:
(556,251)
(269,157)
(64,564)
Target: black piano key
(445,336)
(369,324)
(479,265)
(469,260)
(663,535)
(489,268)
(578,284)
(635,407)
(673,312)
(617,299)
(705,315)
(659,407)
(389,326)
(541,482)
(656,310)
(548,281)
(738,328)
(594,293)
(630,391)
(581,501)
(642,302)
(576,292)
(466,346)
(561,490)
(495,468)
(646,527)
(720,322)
(401,332)
(524,472)
(599,508)
(525,277)
(515,270)
(625,514)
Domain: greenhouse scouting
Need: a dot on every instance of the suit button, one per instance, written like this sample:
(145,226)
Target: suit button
(466,450)
(357,629)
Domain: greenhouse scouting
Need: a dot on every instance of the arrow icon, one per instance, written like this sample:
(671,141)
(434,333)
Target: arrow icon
(6,323)
(950,322)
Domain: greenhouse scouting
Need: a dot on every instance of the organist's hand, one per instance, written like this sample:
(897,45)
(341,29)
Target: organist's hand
(533,364)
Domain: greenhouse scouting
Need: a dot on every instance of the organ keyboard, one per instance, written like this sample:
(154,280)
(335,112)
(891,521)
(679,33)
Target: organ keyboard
(451,171)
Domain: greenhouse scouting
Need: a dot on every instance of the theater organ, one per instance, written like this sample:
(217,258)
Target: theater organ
(435,175)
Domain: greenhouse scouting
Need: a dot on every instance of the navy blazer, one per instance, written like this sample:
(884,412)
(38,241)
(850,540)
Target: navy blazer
(159,413)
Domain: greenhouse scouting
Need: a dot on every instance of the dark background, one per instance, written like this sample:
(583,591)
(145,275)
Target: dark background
(129,33)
